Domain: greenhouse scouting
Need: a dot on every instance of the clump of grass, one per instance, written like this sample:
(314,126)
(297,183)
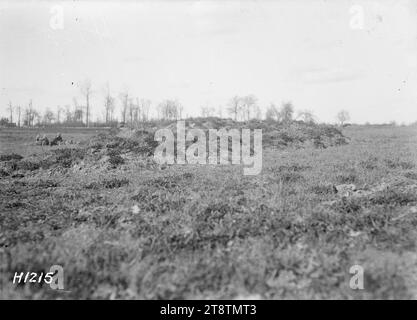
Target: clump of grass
(392,197)
(347,177)
(323,189)
(164,183)
(108,183)
(387,198)
(141,142)
(318,143)
(216,210)
(28,165)
(17,175)
(115,159)
(63,157)
(14,204)
(348,205)
(370,163)
(67,156)
(293,167)
(170,182)
(12,156)
(411,175)
(289,173)
(115,183)
(46,184)
(93,185)
(290,176)
(399,164)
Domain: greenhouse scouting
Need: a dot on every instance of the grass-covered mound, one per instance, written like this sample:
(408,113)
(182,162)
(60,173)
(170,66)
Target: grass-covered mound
(115,146)
(280,135)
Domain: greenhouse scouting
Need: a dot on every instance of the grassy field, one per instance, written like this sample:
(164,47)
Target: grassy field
(123,227)
(21,141)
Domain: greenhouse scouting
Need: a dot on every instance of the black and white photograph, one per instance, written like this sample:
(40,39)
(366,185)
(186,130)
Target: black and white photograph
(243,151)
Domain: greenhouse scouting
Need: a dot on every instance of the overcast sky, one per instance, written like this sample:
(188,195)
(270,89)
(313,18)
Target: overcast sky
(322,55)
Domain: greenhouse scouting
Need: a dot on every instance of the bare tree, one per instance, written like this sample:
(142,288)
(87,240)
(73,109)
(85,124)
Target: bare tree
(132,110)
(78,112)
(68,114)
(48,117)
(272,113)
(235,106)
(86,91)
(180,110)
(257,112)
(343,116)
(169,109)
(287,112)
(36,117)
(207,111)
(111,110)
(108,105)
(145,105)
(59,111)
(248,105)
(10,107)
(30,115)
(136,112)
(78,116)
(219,112)
(19,111)
(124,97)
(4,121)
(26,120)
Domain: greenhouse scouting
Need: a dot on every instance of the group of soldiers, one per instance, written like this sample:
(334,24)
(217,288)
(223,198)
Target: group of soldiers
(44,141)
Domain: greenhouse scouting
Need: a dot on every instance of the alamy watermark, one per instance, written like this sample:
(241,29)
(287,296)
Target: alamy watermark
(172,149)
(56,21)
(357,17)
(357,280)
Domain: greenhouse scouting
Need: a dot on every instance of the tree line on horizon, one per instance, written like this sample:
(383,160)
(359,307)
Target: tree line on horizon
(134,111)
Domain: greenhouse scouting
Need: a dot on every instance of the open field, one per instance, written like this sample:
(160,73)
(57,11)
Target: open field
(21,140)
(124,227)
